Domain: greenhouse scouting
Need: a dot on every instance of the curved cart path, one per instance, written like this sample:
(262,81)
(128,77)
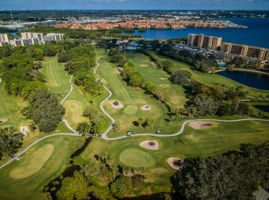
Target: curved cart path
(104,135)
(74,132)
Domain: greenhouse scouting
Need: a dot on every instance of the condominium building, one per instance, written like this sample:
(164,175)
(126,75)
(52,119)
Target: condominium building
(215,43)
(54,37)
(4,38)
(30,35)
(25,42)
(204,41)
(245,50)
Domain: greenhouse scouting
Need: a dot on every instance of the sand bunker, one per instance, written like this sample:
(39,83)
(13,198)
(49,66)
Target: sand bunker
(145,107)
(200,125)
(116,104)
(143,65)
(2,121)
(150,144)
(164,85)
(163,79)
(175,163)
(24,130)
(119,71)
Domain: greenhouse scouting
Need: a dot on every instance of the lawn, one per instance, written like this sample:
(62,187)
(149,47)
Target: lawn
(215,79)
(132,100)
(10,110)
(57,80)
(25,178)
(173,94)
(192,143)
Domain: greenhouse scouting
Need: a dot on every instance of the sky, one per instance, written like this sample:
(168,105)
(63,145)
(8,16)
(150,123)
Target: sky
(136,4)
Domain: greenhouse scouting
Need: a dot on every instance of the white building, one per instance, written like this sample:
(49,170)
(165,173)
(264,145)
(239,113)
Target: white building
(54,37)
(25,42)
(30,35)
(4,38)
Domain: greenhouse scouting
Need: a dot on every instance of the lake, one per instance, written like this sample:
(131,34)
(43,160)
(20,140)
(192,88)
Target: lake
(256,34)
(255,80)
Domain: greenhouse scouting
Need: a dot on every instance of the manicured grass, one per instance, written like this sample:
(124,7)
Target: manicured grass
(10,109)
(132,98)
(31,187)
(217,139)
(32,164)
(215,79)
(173,94)
(136,158)
(58,82)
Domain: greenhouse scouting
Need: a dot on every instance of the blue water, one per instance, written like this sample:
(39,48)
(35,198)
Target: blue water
(257,33)
(255,80)
(262,107)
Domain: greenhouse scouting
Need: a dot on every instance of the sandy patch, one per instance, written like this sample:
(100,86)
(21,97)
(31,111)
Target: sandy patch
(164,85)
(116,104)
(143,65)
(24,130)
(2,121)
(119,71)
(175,163)
(145,107)
(150,144)
(163,79)
(200,125)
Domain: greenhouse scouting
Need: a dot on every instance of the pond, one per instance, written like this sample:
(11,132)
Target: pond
(255,80)
(263,107)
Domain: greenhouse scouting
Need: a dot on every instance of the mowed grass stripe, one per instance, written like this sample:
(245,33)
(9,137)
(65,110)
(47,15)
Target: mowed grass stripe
(114,81)
(57,78)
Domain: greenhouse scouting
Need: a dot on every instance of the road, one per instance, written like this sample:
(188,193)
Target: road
(104,135)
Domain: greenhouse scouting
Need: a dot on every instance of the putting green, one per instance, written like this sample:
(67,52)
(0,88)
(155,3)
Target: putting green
(130,109)
(137,158)
(28,166)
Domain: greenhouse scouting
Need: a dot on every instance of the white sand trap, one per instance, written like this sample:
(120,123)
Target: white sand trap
(164,85)
(145,107)
(119,71)
(200,125)
(116,104)
(175,163)
(24,130)
(163,79)
(150,144)
(143,65)
(2,121)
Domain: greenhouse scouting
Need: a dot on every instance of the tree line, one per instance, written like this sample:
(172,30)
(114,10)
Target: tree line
(231,175)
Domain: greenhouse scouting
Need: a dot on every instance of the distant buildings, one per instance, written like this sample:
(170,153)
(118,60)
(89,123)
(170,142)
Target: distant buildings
(3,39)
(215,43)
(30,38)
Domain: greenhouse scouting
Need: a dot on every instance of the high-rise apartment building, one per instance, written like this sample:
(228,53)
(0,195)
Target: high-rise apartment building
(204,41)
(215,43)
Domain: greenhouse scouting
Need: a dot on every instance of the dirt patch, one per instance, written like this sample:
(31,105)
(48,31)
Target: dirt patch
(145,107)
(163,79)
(143,65)
(24,130)
(119,71)
(116,104)
(164,85)
(2,121)
(175,163)
(150,144)
(200,125)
